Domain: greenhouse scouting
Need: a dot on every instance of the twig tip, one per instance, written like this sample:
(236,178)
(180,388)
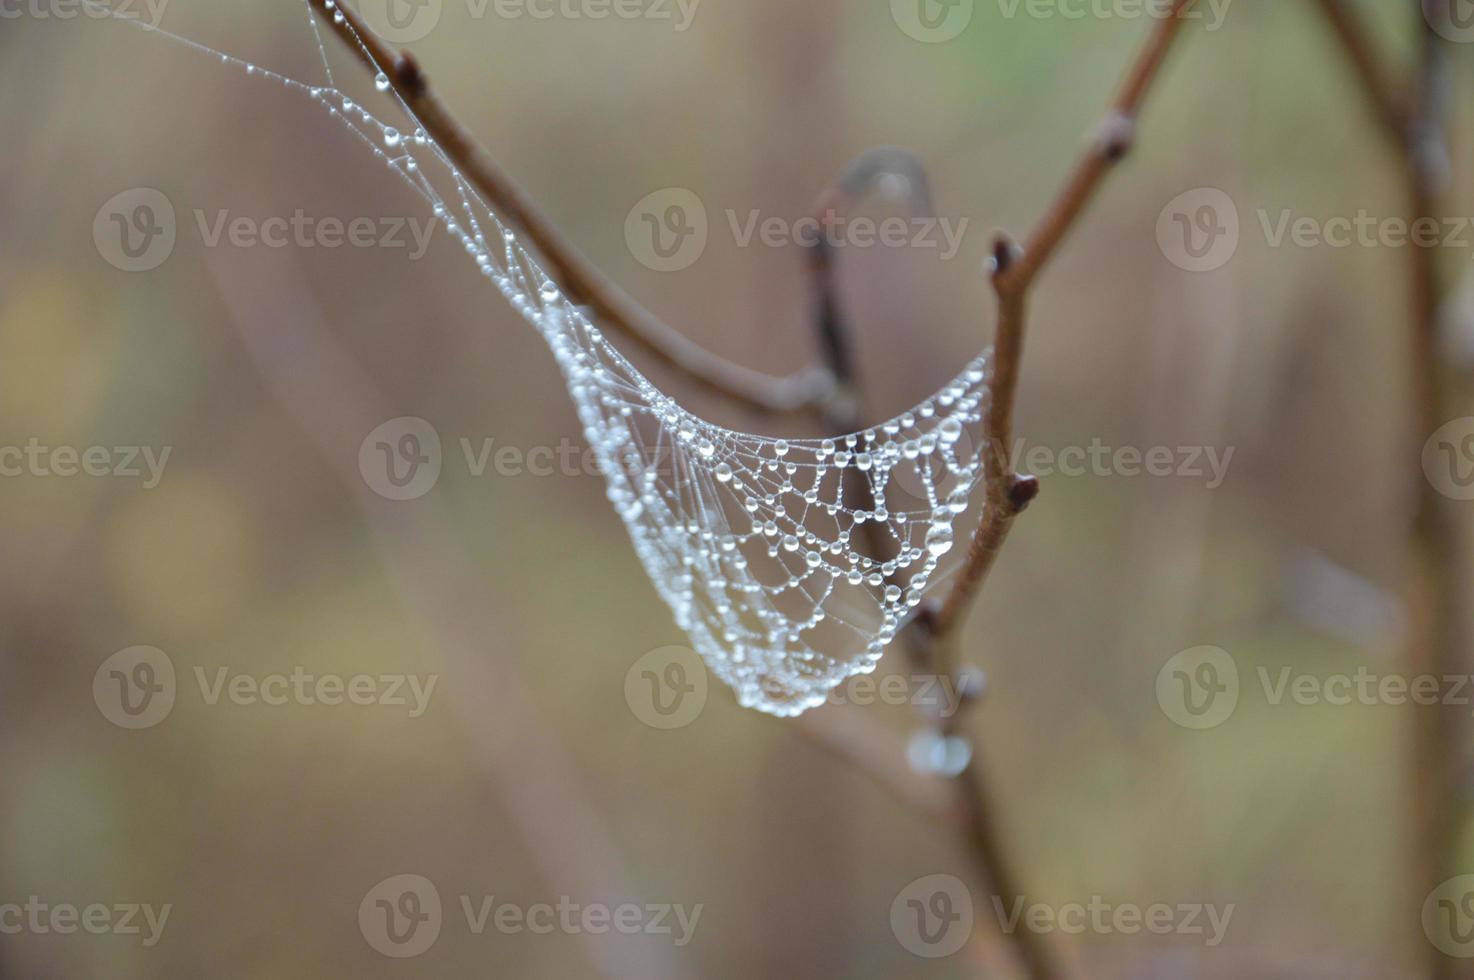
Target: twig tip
(1117,134)
(411,77)
(1004,253)
(1022,491)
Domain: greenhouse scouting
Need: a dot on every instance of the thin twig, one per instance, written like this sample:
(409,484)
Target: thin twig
(579,279)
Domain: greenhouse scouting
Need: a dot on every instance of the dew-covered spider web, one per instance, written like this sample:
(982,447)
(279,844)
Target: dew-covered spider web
(791,564)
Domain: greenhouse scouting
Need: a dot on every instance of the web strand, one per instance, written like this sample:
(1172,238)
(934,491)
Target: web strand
(747,538)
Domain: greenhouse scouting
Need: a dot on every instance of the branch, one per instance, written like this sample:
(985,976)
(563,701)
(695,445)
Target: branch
(579,279)
(1014,272)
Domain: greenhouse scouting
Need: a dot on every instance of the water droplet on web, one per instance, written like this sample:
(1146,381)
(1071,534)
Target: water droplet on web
(939,539)
(381,82)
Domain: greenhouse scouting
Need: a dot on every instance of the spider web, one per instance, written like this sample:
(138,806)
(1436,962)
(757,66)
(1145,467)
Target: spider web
(791,564)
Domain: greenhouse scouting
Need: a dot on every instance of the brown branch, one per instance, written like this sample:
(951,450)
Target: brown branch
(1436,643)
(580,280)
(1014,272)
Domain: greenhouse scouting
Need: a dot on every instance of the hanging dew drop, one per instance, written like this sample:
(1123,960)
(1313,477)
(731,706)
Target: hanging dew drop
(724,473)
(939,539)
(381,82)
(392,137)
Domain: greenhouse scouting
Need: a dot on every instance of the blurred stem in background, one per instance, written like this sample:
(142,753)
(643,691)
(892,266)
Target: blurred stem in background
(1413,119)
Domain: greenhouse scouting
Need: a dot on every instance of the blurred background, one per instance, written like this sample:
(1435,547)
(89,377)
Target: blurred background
(252,548)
